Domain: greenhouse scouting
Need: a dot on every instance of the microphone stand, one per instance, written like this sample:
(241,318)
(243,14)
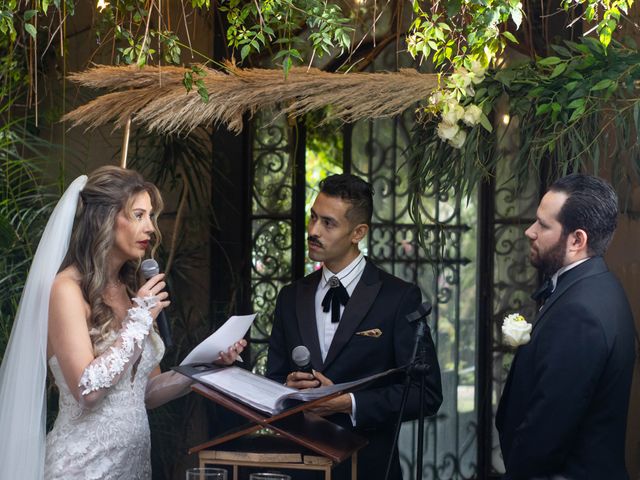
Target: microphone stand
(416,367)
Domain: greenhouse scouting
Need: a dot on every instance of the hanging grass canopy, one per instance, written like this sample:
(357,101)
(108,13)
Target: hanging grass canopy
(157,99)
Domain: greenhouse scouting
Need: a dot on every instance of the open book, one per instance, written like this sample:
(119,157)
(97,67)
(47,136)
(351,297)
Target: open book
(264,394)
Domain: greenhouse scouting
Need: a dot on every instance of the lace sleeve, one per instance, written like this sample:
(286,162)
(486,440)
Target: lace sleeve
(105,370)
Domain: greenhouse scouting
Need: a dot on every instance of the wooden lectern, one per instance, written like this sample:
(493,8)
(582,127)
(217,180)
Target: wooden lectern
(318,443)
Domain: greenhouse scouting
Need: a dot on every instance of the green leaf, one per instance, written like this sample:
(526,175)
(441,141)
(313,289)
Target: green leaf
(558,70)
(29,14)
(245,51)
(577,113)
(542,109)
(204,94)
(602,84)
(484,121)
(570,85)
(561,50)
(549,61)
(535,92)
(187,81)
(31,30)
(578,102)
(509,36)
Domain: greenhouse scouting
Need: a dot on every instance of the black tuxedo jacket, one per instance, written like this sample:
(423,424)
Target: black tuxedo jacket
(379,301)
(564,407)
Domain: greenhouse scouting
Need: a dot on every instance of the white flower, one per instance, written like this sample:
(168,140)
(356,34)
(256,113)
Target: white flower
(477,72)
(436,98)
(102,4)
(461,78)
(516,330)
(458,139)
(472,115)
(453,112)
(446,131)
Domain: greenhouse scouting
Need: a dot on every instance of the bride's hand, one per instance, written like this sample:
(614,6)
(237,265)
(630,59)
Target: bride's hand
(154,287)
(230,356)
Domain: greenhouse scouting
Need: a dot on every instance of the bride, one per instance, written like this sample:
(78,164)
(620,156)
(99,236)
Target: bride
(86,311)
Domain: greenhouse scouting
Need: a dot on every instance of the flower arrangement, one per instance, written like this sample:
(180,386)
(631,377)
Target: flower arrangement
(454,105)
(516,330)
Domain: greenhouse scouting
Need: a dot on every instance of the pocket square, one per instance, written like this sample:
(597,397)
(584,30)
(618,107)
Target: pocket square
(374,332)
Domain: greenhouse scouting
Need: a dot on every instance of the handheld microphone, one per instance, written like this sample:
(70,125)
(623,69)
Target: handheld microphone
(302,358)
(149,268)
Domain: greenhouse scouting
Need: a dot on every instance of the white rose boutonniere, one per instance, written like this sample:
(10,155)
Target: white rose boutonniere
(516,330)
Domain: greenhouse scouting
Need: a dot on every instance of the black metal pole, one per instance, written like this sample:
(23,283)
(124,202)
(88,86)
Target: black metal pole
(420,317)
(420,454)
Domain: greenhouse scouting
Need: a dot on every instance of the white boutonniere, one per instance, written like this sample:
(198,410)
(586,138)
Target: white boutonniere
(516,330)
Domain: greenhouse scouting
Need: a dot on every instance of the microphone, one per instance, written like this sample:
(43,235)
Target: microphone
(302,358)
(149,268)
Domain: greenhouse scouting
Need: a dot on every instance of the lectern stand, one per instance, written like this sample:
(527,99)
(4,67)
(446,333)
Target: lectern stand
(303,432)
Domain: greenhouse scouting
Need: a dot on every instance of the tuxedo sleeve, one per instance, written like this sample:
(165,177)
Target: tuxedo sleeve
(278,358)
(379,406)
(571,353)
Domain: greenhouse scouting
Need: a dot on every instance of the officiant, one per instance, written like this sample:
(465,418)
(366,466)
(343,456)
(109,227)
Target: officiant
(351,316)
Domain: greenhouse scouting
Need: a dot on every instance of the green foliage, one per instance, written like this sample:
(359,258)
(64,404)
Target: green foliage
(276,24)
(606,14)
(188,82)
(572,110)
(451,32)
(24,207)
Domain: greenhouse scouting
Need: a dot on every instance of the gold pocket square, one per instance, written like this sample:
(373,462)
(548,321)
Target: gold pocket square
(374,332)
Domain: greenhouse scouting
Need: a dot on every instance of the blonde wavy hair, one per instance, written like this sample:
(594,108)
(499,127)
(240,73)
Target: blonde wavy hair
(109,190)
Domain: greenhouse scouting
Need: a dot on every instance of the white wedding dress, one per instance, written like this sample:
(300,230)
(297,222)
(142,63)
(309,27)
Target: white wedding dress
(112,439)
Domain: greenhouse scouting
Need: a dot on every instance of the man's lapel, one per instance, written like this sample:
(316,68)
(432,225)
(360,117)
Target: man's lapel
(358,306)
(306,315)
(593,266)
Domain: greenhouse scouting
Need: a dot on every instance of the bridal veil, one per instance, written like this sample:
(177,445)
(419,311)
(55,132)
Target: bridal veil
(24,369)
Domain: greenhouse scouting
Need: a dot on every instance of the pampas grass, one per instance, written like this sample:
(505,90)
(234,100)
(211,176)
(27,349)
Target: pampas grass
(155,97)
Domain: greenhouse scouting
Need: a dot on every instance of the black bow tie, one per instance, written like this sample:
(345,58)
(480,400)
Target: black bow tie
(544,292)
(336,296)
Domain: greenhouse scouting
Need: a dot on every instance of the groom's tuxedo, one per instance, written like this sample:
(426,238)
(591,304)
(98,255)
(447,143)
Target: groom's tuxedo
(564,407)
(373,335)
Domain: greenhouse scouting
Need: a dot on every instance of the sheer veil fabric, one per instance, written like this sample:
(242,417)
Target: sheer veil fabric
(24,368)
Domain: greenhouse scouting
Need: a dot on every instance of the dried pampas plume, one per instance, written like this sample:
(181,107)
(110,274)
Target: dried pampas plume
(155,97)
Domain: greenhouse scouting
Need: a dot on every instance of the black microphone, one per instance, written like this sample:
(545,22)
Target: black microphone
(302,358)
(149,268)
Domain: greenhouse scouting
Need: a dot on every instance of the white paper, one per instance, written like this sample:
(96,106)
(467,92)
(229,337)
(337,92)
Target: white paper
(233,330)
(254,390)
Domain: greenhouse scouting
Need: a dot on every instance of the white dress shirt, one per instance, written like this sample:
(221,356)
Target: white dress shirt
(349,277)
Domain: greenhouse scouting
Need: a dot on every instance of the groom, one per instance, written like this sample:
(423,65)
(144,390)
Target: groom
(352,317)
(563,410)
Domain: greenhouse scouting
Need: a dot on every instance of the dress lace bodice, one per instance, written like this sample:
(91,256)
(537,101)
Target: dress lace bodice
(110,440)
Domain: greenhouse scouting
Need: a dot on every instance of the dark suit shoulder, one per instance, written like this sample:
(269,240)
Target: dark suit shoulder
(598,300)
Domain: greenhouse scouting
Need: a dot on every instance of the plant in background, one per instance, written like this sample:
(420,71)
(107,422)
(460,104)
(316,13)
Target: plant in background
(276,25)
(605,13)
(571,111)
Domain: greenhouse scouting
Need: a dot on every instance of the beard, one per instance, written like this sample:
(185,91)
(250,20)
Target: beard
(552,260)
